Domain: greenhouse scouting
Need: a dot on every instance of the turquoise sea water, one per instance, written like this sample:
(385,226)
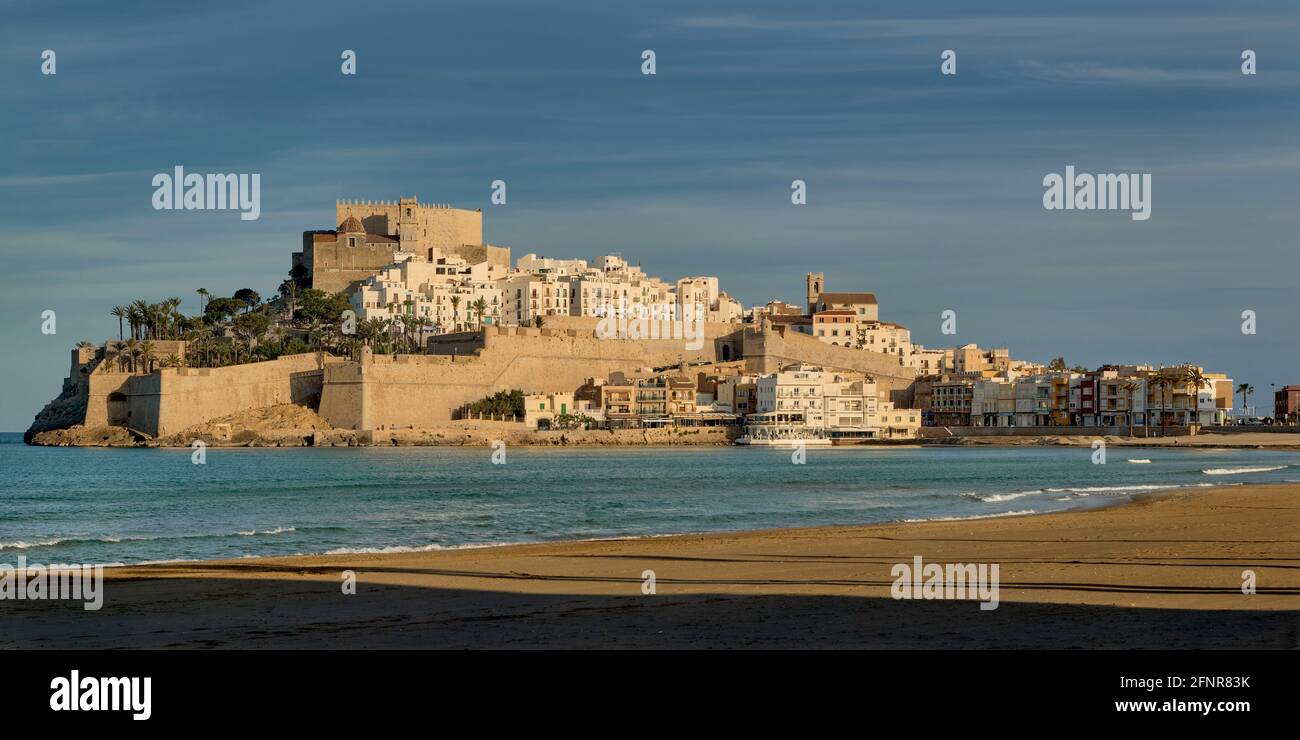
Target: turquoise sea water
(69,505)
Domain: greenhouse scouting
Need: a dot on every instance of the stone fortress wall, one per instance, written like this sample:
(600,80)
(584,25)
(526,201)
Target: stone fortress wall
(171,400)
(418,391)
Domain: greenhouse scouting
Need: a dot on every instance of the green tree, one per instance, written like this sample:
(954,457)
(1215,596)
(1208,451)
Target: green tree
(221,309)
(317,305)
(501,403)
(251,327)
(249,297)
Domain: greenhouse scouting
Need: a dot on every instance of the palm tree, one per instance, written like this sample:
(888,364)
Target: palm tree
(146,349)
(1194,380)
(172,360)
(1245,389)
(1131,387)
(174,317)
(203,295)
(480,308)
(455,309)
(133,351)
(121,313)
(409,325)
(365,332)
(1158,382)
(135,318)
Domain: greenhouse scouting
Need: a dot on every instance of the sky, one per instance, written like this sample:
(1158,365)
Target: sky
(923,188)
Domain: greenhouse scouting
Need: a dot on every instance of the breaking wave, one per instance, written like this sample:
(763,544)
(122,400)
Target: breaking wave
(1238,471)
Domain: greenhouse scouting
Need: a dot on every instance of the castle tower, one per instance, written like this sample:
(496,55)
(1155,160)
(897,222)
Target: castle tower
(408,224)
(816,284)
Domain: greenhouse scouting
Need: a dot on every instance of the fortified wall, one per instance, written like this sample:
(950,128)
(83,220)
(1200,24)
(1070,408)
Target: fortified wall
(175,399)
(171,400)
(387,391)
(400,391)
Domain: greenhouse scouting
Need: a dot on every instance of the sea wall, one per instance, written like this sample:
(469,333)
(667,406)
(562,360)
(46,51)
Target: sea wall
(1072,431)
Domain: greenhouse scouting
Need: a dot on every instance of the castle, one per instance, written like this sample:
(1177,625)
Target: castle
(372,234)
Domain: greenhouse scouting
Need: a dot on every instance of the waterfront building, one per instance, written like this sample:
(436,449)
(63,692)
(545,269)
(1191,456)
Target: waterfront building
(950,402)
(541,410)
(1286,404)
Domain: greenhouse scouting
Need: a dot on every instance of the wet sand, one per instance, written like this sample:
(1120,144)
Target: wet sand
(1163,571)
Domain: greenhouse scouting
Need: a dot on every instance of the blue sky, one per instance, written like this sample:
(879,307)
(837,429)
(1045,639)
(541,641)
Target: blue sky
(923,188)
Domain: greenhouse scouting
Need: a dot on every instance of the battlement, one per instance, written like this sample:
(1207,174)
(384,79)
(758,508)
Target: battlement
(404,201)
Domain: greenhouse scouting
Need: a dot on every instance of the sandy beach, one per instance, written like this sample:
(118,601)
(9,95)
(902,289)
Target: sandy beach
(1164,571)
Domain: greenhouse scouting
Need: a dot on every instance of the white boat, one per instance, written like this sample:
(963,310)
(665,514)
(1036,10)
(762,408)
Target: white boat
(790,442)
(1139,461)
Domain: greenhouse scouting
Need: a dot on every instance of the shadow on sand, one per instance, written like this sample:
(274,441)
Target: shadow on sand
(296,611)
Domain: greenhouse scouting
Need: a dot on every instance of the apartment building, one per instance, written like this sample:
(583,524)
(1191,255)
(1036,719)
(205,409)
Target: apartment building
(737,394)
(993,402)
(795,391)
(838,327)
(1286,404)
(657,401)
(950,402)
(802,401)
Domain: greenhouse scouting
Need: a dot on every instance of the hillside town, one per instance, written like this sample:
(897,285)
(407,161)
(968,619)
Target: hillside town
(403,279)
(416,273)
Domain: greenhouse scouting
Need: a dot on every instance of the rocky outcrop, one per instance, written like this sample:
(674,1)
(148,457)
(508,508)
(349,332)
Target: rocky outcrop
(81,436)
(68,409)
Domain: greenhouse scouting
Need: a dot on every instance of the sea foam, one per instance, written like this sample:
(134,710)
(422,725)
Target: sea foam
(1238,471)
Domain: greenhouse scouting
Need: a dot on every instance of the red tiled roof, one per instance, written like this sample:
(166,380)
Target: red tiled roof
(852,299)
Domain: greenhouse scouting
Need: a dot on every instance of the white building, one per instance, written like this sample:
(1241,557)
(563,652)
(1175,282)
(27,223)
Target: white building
(445,291)
(803,401)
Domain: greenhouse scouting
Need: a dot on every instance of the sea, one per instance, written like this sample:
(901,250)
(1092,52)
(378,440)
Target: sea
(131,506)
